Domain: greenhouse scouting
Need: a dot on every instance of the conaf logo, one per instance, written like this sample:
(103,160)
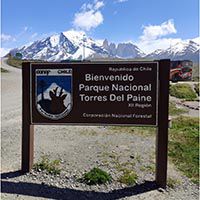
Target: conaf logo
(54,92)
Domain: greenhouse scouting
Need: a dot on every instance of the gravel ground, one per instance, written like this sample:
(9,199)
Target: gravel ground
(79,149)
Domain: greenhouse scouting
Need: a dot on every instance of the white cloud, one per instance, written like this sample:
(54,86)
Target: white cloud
(155,36)
(120,1)
(98,4)
(5,38)
(152,32)
(89,16)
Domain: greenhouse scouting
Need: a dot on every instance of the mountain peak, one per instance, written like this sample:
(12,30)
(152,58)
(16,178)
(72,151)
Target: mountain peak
(73,44)
(74,35)
(122,50)
(182,50)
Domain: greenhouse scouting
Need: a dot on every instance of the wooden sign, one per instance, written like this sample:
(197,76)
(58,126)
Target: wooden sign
(90,93)
(95,93)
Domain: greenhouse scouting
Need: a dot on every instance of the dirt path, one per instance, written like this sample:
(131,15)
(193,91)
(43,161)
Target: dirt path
(80,149)
(191,106)
(10,117)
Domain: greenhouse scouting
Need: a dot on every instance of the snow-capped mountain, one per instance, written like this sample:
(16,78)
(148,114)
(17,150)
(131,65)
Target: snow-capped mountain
(123,50)
(66,45)
(188,49)
(77,45)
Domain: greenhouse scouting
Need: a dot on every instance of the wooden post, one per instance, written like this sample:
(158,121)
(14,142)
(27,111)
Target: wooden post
(162,130)
(27,128)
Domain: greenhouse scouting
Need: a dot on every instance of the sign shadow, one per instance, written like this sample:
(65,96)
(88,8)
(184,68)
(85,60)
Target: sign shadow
(52,192)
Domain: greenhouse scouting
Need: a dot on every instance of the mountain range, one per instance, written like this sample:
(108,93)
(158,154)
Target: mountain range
(186,50)
(77,45)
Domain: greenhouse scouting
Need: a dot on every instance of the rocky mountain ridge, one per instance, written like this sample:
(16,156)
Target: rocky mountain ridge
(77,45)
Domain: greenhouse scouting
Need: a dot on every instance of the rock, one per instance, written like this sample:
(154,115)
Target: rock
(161,190)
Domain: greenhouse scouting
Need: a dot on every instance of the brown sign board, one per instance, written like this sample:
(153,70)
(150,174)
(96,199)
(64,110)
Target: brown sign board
(89,93)
(92,93)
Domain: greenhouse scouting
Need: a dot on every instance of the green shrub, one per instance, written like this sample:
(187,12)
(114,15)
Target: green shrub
(148,168)
(96,176)
(129,177)
(52,167)
(182,91)
(172,183)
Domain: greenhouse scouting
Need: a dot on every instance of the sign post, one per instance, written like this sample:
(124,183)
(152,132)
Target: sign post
(27,127)
(91,93)
(162,130)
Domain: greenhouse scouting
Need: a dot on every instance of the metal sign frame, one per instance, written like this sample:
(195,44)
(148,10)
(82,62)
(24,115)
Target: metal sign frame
(162,122)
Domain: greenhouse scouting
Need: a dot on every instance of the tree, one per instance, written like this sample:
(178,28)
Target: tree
(18,55)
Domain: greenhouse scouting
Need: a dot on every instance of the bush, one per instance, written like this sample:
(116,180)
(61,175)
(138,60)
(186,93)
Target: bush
(172,183)
(96,176)
(182,91)
(128,177)
(52,167)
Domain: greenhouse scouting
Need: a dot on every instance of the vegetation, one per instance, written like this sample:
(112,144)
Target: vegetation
(182,91)
(129,177)
(96,176)
(51,167)
(4,70)
(184,146)
(146,131)
(173,110)
(149,168)
(15,62)
(18,55)
(196,88)
(125,169)
(195,72)
(172,183)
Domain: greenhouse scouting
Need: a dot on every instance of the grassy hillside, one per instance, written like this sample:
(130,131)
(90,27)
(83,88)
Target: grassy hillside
(18,63)
(183,91)
(14,62)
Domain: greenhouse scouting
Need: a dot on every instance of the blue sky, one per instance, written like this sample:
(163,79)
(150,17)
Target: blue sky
(148,23)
